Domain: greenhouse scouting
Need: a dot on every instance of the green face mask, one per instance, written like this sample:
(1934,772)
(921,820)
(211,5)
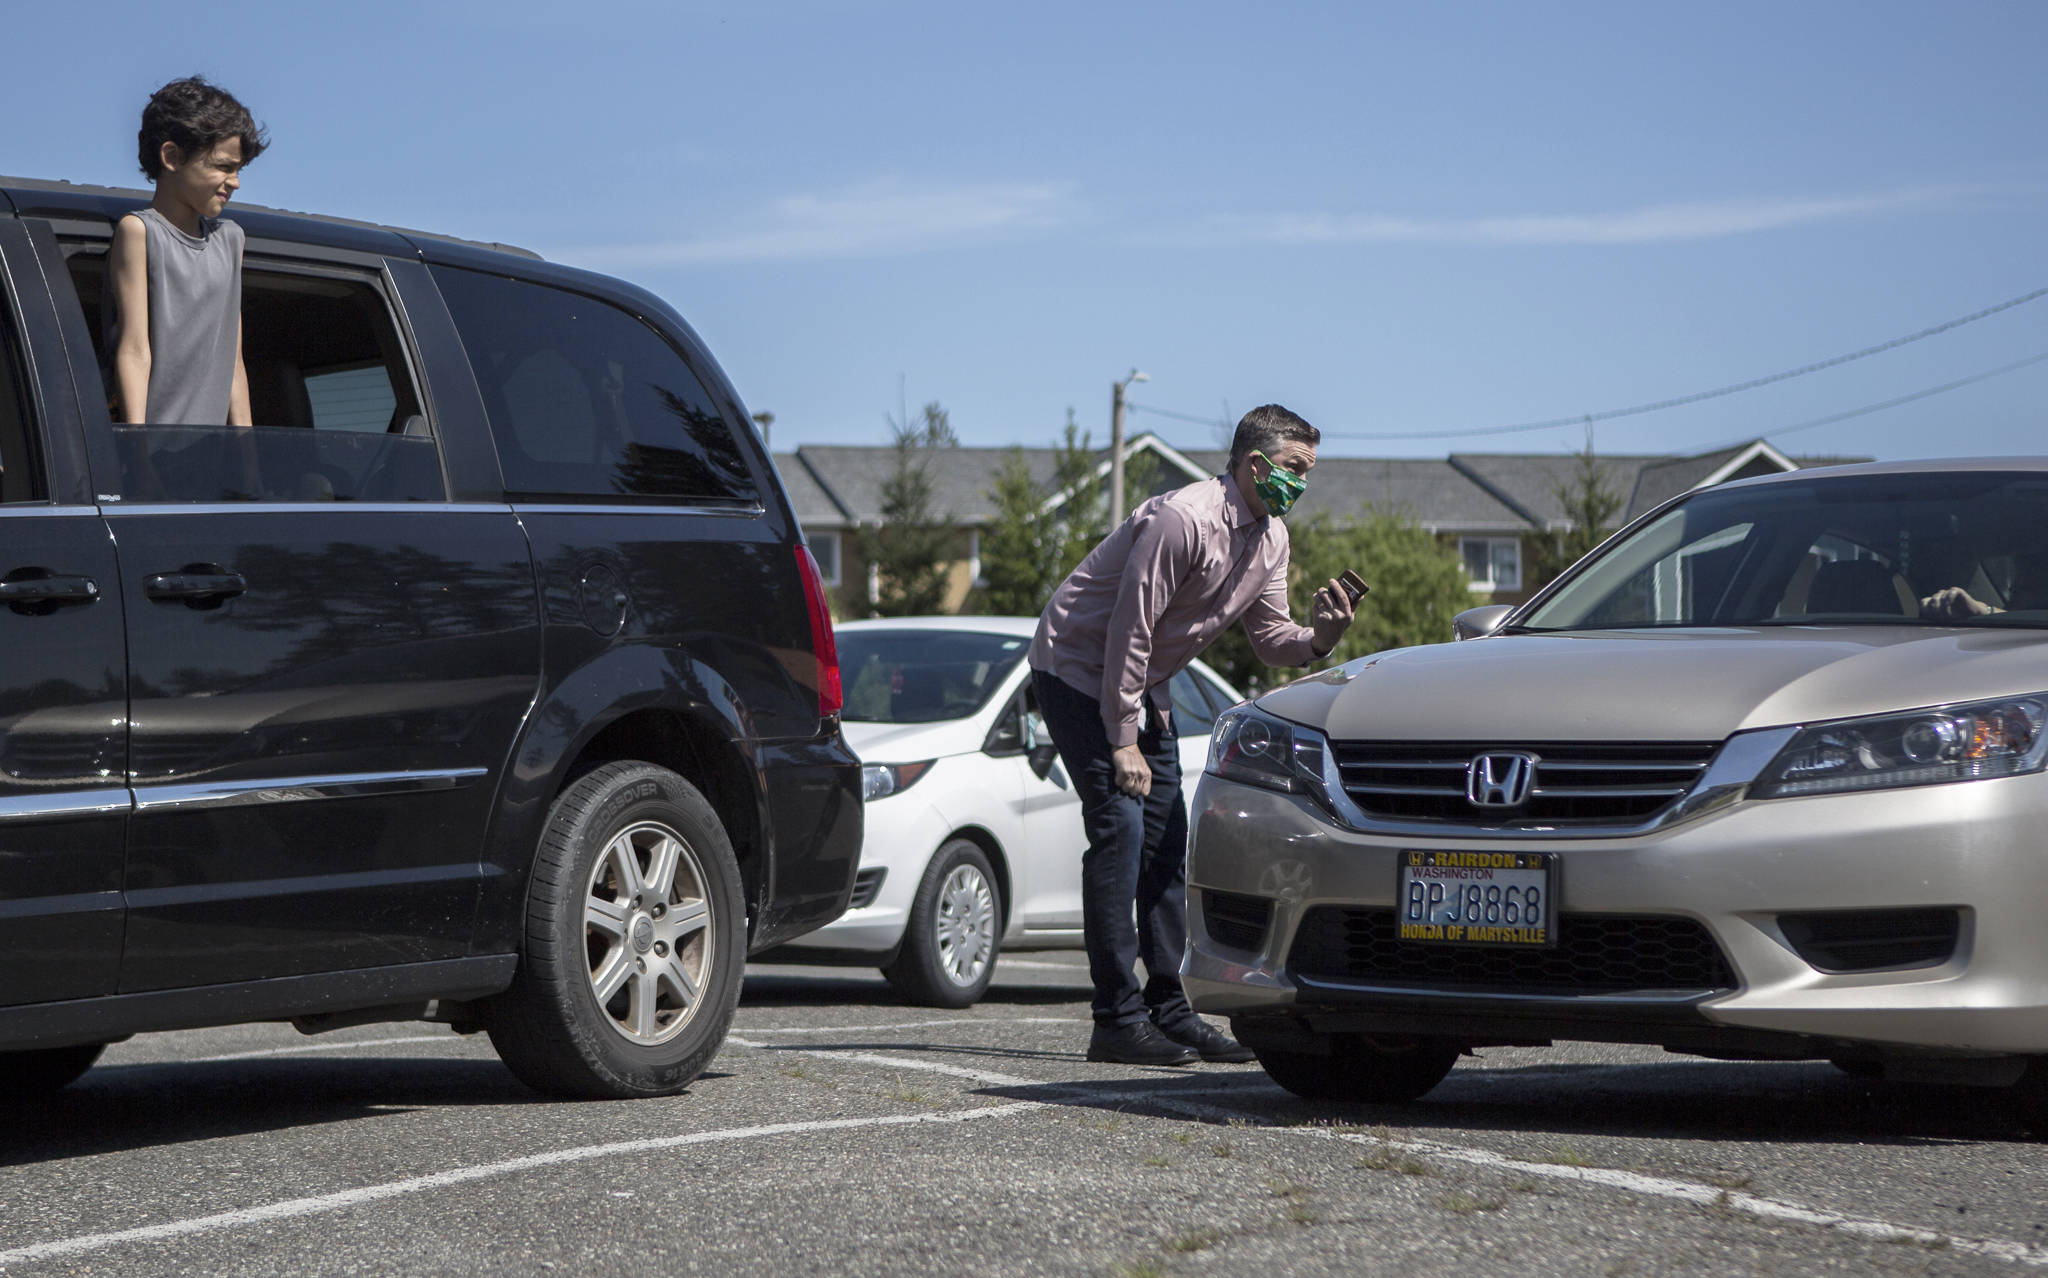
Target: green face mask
(1280,489)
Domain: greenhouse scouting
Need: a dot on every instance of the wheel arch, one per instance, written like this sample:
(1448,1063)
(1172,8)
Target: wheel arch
(636,703)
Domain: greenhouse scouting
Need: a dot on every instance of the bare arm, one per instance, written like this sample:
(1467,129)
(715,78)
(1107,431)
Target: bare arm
(238,394)
(128,276)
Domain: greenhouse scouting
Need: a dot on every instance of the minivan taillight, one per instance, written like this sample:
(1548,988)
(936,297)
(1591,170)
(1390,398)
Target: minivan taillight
(830,699)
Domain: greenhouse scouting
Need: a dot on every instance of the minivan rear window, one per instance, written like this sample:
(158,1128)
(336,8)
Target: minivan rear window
(588,401)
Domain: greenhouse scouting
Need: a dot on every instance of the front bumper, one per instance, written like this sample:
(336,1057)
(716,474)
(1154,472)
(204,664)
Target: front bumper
(1978,848)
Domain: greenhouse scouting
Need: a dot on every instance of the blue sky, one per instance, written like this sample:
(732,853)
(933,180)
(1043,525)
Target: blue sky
(1393,218)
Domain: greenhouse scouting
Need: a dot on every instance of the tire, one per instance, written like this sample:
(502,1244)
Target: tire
(34,1074)
(955,930)
(1858,1066)
(1363,1069)
(634,944)
(2027,1100)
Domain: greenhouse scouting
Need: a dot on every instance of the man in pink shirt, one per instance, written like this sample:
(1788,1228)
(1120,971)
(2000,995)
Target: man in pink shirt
(1182,569)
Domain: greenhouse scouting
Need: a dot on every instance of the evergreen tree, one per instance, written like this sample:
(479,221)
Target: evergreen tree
(912,549)
(1020,546)
(1031,544)
(1590,505)
(1418,585)
(1079,522)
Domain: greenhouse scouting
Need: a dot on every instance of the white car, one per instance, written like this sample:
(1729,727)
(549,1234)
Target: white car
(973,840)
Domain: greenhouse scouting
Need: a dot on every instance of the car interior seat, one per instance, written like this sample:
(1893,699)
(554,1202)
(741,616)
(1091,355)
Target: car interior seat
(1860,586)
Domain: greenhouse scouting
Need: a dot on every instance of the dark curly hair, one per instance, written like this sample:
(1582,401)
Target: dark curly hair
(196,116)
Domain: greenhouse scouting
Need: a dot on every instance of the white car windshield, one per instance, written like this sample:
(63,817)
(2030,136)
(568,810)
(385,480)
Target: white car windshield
(923,676)
(1939,549)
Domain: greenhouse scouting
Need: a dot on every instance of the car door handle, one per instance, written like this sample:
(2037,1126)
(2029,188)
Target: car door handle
(48,588)
(195,582)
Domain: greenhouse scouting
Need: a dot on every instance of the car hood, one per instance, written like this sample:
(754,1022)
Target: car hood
(1651,685)
(910,742)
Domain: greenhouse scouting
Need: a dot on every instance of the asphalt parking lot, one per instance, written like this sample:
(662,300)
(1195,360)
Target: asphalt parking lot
(841,1132)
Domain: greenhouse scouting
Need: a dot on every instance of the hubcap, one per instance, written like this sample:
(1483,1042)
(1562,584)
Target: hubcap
(966,925)
(647,930)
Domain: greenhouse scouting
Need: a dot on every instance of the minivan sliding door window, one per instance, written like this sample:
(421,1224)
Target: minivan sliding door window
(337,412)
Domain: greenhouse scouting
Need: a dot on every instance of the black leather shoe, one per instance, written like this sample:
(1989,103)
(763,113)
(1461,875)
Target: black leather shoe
(1139,1044)
(1211,1044)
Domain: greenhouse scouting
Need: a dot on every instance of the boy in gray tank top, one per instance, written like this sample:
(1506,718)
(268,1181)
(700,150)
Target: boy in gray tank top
(175,269)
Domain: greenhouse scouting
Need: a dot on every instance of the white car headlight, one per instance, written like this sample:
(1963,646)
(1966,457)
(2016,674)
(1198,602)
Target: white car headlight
(1251,746)
(880,780)
(1971,742)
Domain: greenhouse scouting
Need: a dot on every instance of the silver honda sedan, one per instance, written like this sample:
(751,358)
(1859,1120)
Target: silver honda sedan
(1761,778)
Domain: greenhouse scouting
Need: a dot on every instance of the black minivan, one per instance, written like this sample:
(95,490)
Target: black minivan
(487,680)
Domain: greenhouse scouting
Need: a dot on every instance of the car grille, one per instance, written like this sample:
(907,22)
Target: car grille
(1873,940)
(1594,954)
(1234,920)
(1575,783)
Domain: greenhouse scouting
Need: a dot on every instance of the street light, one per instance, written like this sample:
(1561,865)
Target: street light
(1116,447)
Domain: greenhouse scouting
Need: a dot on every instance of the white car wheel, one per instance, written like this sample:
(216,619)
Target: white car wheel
(955,928)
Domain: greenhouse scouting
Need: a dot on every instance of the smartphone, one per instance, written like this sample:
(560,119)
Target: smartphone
(1354,585)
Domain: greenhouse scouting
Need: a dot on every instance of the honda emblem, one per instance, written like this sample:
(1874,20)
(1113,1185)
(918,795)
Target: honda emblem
(1500,780)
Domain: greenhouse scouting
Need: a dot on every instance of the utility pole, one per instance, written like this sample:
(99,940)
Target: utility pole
(764,421)
(1116,447)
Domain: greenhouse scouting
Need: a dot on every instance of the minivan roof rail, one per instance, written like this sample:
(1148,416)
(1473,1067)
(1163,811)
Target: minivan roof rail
(115,192)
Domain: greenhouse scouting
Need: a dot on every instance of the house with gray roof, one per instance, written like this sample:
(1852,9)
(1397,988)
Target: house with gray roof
(1486,506)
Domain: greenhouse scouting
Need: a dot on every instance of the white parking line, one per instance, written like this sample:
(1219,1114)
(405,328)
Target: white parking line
(903,1025)
(347,1198)
(342,1046)
(1147,1090)
(1076,968)
(897,1062)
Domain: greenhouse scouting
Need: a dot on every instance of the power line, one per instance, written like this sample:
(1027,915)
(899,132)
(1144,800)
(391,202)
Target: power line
(1179,417)
(1634,410)
(1832,418)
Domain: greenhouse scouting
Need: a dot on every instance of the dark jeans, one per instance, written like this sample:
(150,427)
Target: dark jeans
(1137,853)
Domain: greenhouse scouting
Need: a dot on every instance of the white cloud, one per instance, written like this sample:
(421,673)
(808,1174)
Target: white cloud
(1659,223)
(879,218)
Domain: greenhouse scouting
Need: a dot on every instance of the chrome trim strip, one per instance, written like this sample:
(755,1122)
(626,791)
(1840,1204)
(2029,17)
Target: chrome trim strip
(636,508)
(115,509)
(1440,791)
(1597,792)
(1575,765)
(242,794)
(33,510)
(67,805)
(29,907)
(309,885)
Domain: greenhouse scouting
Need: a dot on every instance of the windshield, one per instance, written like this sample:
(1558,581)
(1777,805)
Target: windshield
(922,676)
(1955,548)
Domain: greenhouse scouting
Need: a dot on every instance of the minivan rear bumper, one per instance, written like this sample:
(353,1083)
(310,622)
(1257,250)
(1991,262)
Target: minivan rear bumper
(813,802)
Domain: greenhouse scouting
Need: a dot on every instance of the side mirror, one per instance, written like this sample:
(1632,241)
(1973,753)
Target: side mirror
(1042,758)
(1477,623)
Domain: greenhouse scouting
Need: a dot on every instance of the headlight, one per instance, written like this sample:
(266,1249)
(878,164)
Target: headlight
(880,780)
(1972,742)
(1251,746)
